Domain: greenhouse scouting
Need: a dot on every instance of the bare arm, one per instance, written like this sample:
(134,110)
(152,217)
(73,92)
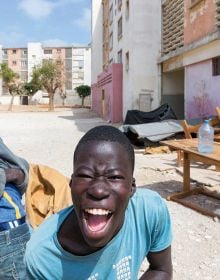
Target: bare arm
(160,266)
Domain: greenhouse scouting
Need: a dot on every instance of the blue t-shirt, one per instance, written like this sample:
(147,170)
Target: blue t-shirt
(11,207)
(147,228)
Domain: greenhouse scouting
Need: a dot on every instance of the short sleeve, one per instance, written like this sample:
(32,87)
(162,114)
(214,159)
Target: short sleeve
(162,232)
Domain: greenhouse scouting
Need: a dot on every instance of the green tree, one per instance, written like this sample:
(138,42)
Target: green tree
(33,86)
(50,77)
(11,82)
(83,91)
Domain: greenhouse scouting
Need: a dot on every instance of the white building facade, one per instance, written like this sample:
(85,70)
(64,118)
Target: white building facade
(128,33)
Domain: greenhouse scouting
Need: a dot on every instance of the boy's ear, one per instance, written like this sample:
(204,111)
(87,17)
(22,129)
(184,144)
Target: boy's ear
(133,187)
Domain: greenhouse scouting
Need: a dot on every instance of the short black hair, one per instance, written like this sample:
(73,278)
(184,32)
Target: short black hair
(110,134)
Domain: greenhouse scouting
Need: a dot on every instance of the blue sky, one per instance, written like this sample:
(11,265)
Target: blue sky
(51,22)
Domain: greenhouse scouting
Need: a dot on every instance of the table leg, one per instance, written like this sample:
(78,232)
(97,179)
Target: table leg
(186,172)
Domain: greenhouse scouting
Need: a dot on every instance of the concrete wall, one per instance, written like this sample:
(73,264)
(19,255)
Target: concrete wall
(202,90)
(96,51)
(142,39)
(87,66)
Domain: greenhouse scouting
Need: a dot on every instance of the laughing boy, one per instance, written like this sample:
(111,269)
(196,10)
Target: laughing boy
(111,227)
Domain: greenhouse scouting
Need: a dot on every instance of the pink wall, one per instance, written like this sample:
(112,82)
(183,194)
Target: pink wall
(199,20)
(202,92)
(109,83)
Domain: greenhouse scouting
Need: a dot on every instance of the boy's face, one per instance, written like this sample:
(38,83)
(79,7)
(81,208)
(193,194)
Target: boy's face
(101,186)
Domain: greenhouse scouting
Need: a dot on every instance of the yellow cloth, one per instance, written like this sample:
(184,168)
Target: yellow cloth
(48,192)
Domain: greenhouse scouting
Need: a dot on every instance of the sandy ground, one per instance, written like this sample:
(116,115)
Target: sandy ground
(50,138)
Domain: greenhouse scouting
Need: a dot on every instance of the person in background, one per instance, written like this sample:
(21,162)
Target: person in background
(111,226)
(14,231)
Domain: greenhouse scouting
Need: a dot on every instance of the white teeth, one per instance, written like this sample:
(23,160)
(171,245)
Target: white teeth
(100,212)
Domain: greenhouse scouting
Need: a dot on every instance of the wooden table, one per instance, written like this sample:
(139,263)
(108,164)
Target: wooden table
(191,153)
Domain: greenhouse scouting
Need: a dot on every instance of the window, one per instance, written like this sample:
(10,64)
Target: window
(14,62)
(68,64)
(58,50)
(24,51)
(111,15)
(120,28)
(14,51)
(47,51)
(127,9)
(127,61)
(119,4)
(81,64)
(68,85)
(216,66)
(120,56)
(5,52)
(23,62)
(24,76)
(81,75)
(68,52)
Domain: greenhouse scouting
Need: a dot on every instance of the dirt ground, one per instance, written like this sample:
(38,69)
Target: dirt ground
(50,138)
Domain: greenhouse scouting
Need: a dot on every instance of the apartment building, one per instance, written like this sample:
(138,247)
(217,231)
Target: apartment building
(76,64)
(126,45)
(190,60)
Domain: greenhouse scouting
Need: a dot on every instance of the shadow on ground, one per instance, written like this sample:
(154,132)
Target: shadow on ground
(84,119)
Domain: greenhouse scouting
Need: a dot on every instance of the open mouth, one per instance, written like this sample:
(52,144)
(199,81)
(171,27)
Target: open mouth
(97,219)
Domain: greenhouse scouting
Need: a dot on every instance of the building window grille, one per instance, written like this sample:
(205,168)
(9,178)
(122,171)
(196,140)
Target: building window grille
(216,66)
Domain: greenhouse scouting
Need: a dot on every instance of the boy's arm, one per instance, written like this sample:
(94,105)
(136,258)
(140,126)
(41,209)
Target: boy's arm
(10,175)
(14,175)
(160,266)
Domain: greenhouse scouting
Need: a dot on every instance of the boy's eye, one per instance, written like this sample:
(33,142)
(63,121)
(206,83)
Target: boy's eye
(115,177)
(86,176)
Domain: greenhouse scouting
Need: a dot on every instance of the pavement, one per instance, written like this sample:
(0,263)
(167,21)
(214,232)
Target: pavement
(50,139)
